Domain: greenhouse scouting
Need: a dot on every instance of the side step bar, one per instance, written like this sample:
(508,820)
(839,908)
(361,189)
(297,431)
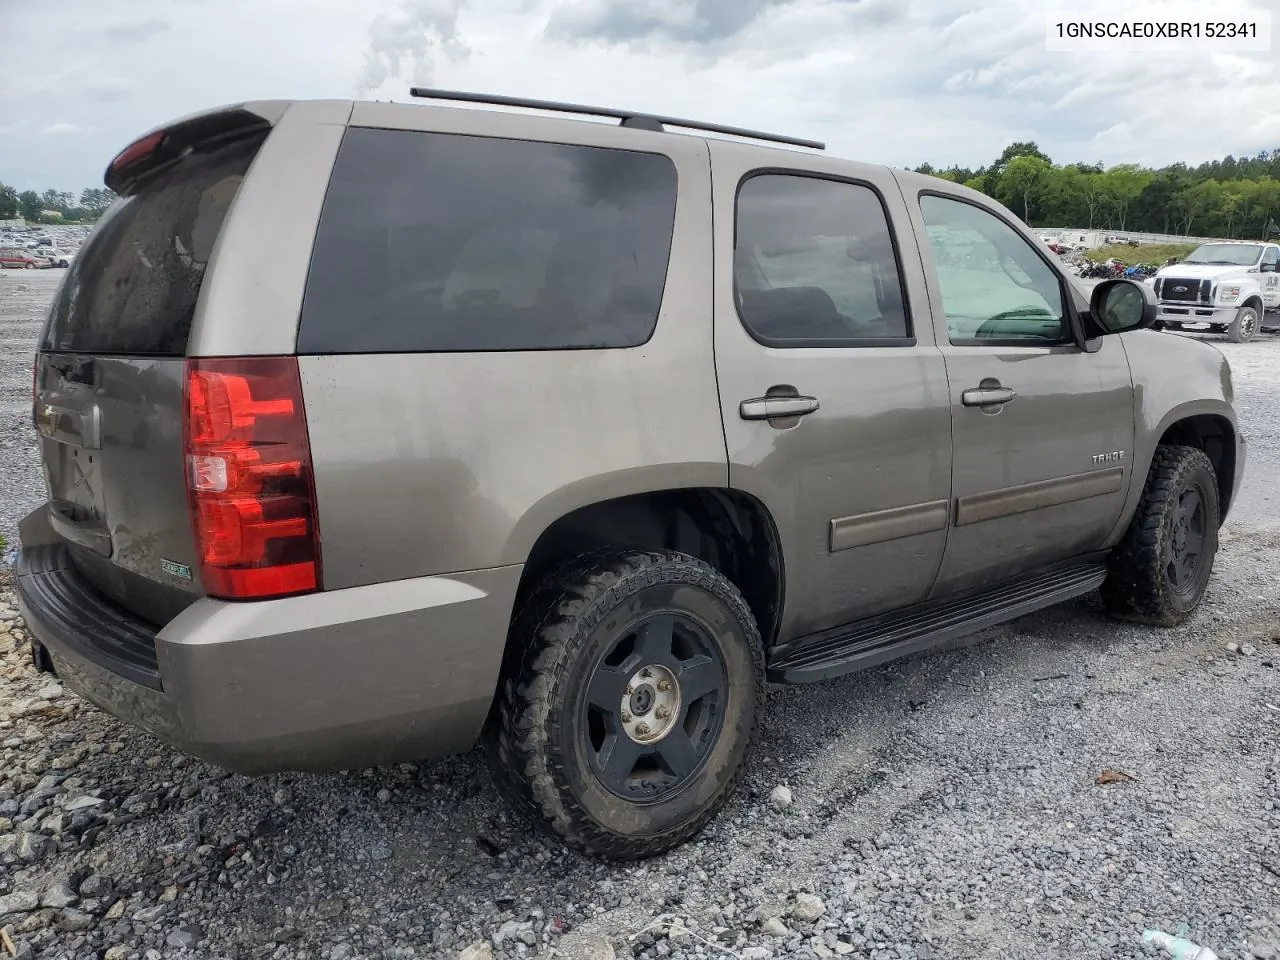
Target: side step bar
(888,636)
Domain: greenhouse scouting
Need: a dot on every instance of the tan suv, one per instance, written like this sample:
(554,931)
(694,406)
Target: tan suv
(375,430)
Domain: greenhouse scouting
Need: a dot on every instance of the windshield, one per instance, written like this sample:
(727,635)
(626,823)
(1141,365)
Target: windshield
(1226,254)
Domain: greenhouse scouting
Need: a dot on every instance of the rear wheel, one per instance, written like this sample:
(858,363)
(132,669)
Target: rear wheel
(1159,571)
(1244,326)
(631,702)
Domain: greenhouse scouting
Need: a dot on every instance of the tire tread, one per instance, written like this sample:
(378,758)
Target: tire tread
(546,634)
(1135,588)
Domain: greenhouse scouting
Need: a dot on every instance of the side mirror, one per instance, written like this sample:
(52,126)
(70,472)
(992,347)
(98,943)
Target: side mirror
(1269,268)
(1118,306)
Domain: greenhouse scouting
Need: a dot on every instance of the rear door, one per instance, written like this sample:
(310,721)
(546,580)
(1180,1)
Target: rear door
(832,391)
(110,372)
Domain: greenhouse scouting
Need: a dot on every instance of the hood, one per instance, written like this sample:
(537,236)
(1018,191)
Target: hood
(1198,271)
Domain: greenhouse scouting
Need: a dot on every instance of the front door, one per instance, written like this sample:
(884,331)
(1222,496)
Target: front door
(1042,429)
(832,391)
(1270,277)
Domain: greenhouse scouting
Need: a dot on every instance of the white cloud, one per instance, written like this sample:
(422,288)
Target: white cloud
(892,81)
(60,129)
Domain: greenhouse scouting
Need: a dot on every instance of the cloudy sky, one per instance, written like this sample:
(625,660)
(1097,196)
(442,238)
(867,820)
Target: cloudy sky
(891,81)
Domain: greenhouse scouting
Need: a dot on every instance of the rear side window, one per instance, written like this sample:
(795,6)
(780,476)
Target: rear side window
(814,264)
(433,242)
(133,287)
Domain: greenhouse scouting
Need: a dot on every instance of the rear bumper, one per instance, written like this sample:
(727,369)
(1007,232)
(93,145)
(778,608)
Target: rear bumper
(331,681)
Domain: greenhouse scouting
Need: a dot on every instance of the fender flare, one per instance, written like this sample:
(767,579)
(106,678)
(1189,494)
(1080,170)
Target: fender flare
(1145,443)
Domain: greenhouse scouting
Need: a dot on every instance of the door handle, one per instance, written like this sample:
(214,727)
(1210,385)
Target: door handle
(987,396)
(770,408)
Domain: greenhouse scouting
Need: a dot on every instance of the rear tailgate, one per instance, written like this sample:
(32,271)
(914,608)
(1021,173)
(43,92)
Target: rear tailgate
(110,373)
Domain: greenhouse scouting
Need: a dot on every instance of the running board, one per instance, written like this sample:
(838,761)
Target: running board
(888,636)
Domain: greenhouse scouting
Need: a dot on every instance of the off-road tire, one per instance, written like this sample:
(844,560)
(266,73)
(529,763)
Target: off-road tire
(1138,587)
(1245,326)
(534,738)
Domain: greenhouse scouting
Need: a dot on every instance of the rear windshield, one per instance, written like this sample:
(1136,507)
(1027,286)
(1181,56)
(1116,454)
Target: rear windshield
(440,242)
(133,287)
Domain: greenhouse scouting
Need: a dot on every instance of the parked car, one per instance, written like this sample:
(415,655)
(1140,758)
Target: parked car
(56,257)
(16,258)
(426,426)
(1229,286)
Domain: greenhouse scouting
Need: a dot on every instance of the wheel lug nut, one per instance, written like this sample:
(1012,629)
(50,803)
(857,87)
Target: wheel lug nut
(646,673)
(664,685)
(630,690)
(626,717)
(662,713)
(642,728)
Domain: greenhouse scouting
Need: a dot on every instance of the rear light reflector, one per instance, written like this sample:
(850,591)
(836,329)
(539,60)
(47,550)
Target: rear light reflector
(137,150)
(249,479)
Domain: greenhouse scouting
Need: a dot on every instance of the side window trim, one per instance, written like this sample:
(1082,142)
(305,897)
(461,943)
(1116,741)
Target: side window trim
(850,343)
(1071,319)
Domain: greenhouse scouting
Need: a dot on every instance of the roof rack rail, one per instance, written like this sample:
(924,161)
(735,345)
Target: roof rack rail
(628,118)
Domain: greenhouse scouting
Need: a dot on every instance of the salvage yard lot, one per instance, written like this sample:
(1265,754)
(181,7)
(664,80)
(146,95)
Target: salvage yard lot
(947,806)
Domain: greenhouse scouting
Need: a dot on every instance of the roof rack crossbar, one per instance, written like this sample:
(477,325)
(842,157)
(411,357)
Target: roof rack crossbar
(629,118)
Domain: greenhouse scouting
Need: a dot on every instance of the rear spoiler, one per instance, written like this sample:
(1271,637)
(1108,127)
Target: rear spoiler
(164,146)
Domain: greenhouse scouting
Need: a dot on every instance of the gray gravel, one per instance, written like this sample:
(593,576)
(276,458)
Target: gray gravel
(948,806)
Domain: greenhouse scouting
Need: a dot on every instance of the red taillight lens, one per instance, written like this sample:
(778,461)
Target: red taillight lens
(249,478)
(137,150)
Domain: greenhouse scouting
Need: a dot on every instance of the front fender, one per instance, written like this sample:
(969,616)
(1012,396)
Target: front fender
(1175,378)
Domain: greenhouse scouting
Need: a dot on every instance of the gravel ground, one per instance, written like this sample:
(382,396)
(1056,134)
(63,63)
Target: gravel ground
(947,806)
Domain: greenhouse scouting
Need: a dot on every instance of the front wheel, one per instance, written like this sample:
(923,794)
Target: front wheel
(1160,569)
(1244,326)
(627,711)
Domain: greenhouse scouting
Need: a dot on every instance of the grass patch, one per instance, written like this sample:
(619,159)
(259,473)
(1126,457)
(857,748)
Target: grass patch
(1144,252)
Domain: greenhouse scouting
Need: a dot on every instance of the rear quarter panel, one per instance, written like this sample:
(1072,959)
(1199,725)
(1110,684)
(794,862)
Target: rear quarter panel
(1174,377)
(430,463)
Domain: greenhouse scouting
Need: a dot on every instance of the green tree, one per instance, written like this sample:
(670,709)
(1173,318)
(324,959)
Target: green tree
(1263,197)
(1023,178)
(8,202)
(1131,197)
(29,204)
(1093,191)
(1021,148)
(95,200)
(1231,201)
(1123,185)
(1199,201)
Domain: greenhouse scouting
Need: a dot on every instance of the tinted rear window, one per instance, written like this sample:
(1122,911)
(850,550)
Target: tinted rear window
(438,242)
(133,287)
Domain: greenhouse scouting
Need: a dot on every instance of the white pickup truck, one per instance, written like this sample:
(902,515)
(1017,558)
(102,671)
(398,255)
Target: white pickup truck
(1226,285)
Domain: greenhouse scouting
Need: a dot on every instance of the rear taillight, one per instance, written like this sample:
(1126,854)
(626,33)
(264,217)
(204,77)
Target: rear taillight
(249,478)
(136,151)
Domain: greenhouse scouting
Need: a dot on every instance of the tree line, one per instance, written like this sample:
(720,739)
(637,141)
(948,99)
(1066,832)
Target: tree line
(1232,197)
(32,206)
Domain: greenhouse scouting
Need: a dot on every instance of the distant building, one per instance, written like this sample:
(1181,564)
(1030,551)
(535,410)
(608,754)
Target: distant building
(51,214)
